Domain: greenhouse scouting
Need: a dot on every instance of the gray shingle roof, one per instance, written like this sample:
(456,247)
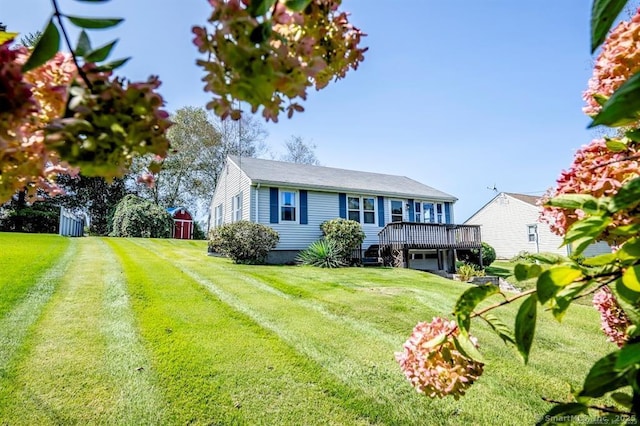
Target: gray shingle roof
(529,199)
(332,179)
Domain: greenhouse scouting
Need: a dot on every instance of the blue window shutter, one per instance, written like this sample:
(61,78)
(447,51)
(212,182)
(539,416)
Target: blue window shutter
(273,205)
(412,211)
(380,211)
(447,212)
(342,203)
(303,207)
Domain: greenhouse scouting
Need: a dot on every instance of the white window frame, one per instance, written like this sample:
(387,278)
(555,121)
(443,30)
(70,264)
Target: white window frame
(236,208)
(361,210)
(391,215)
(218,217)
(532,233)
(296,205)
(426,218)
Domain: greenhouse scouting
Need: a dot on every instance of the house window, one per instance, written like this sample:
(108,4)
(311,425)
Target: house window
(439,211)
(532,231)
(218,215)
(236,208)
(396,211)
(288,205)
(429,212)
(362,209)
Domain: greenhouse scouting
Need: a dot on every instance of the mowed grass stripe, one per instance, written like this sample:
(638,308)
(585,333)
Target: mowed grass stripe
(391,296)
(217,365)
(138,399)
(79,364)
(24,258)
(184,257)
(15,324)
(362,363)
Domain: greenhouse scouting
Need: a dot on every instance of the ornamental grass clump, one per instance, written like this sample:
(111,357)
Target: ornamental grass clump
(322,253)
(432,363)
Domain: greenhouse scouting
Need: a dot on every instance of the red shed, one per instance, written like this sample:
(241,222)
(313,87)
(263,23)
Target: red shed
(182,223)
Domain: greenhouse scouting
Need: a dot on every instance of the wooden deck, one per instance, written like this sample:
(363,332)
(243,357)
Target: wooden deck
(397,238)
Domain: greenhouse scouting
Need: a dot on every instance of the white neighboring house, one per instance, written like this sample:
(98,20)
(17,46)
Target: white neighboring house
(294,199)
(510,223)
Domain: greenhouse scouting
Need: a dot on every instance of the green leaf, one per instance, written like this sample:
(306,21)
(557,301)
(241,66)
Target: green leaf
(631,278)
(628,356)
(467,348)
(46,47)
(101,53)
(297,5)
(5,36)
(600,98)
(626,230)
(84,44)
(94,23)
(548,258)
(259,7)
(622,399)
(604,377)
(630,250)
(625,293)
(570,201)
(526,326)
(601,259)
(585,231)
(500,328)
(627,197)
(110,66)
(468,301)
(634,135)
(436,341)
(623,107)
(523,271)
(551,281)
(562,411)
(603,14)
(616,145)
(564,299)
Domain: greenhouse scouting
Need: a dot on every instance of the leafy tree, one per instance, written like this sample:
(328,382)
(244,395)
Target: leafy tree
(136,217)
(20,215)
(200,145)
(298,151)
(94,196)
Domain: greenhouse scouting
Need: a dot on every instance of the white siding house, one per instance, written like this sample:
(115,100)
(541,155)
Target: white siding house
(511,224)
(294,199)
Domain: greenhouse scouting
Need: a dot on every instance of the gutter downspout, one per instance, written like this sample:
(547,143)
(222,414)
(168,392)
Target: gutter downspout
(257,202)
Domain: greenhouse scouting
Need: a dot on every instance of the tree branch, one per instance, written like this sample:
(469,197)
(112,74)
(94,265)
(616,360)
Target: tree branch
(58,15)
(504,302)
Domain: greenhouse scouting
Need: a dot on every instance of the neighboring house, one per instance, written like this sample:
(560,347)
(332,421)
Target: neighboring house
(294,199)
(511,224)
(182,223)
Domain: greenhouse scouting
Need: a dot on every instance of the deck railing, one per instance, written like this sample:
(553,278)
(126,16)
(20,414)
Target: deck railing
(429,236)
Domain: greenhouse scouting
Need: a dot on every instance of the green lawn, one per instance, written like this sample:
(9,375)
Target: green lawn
(140,331)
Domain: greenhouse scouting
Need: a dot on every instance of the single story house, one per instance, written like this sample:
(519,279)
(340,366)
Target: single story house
(294,199)
(511,224)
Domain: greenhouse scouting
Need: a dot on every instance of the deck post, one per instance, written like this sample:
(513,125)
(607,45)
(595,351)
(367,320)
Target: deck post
(405,255)
(481,256)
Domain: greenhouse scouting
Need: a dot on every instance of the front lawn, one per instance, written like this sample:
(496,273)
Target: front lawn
(140,331)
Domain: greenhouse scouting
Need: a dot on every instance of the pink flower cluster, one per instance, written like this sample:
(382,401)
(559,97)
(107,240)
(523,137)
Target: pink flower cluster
(27,104)
(614,321)
(437,370)
(103,126)
(272,59)
(598,171)
(618,60)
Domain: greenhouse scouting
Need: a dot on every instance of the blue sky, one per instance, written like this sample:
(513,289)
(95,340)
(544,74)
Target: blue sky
(457,95)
